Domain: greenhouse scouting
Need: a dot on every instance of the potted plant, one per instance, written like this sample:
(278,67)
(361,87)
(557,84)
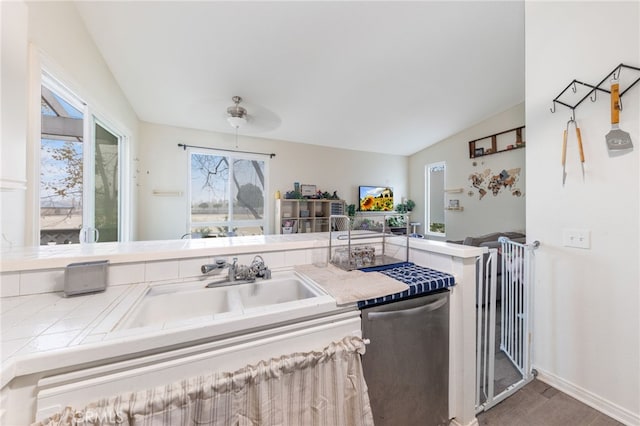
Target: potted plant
(396,222)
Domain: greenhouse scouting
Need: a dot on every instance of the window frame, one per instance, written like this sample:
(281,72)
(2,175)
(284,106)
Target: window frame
(124,173)
(230,224)
(427,203)
(91,118)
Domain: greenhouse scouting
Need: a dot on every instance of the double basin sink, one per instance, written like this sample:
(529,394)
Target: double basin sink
(285,296)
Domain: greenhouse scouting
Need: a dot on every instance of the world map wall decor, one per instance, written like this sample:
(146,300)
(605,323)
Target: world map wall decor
(488,182)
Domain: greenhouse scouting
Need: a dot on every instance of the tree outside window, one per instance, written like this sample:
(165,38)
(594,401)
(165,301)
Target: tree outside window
(227,195)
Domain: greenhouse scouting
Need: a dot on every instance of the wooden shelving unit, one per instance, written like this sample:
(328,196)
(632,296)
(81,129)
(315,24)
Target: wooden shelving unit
(306,215)
(491,145)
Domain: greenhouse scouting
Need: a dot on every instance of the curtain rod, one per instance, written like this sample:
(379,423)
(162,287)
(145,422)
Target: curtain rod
(185,146)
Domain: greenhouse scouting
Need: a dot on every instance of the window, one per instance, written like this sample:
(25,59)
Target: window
(106,183)
(434,211)
(80,173)
(61,168)
(227,194)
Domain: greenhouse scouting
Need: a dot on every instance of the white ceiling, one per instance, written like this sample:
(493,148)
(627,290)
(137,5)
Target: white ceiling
(386,76)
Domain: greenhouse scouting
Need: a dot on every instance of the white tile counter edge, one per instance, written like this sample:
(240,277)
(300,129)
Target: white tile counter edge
(59,256)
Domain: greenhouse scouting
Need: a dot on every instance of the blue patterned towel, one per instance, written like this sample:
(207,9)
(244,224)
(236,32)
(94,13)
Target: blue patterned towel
(420,280)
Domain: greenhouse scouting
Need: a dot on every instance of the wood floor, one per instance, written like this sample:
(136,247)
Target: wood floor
(538,404)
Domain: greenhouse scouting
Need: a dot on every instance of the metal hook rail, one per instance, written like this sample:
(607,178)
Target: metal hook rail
(593,93)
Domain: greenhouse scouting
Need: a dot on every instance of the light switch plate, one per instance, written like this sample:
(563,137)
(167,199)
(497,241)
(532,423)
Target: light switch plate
(579,238)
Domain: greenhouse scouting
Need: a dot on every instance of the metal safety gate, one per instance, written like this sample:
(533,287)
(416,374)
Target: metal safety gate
(506,307)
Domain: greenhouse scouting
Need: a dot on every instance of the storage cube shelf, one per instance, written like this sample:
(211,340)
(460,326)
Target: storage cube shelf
(306,215)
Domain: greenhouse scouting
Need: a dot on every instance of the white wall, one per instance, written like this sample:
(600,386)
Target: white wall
(163,167)
(58,31)
(587,307)
(13,121)
(503,212)
(61,44)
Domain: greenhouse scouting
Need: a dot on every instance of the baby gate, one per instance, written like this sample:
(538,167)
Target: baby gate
(509,310)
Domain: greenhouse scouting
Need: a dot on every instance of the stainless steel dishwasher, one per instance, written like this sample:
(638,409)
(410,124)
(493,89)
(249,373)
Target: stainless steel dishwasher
(406,365)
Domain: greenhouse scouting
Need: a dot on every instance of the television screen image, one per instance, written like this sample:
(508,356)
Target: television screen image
(376,198)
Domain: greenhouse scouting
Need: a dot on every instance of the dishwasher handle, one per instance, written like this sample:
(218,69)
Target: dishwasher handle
(432,306)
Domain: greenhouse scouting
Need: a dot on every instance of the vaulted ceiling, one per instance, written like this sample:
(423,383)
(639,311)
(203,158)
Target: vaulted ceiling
(382,76)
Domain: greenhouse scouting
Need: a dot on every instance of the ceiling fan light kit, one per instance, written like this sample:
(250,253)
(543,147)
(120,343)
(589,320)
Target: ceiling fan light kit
(237,115)
(237,122)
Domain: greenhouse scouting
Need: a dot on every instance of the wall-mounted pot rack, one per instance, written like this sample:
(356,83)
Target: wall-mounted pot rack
(593,93)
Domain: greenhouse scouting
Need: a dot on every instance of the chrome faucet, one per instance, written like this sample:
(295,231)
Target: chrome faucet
(221,264)
(238,272)
(259,268)
(233,270)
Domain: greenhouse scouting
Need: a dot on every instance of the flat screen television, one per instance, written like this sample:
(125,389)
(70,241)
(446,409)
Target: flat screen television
(375,198)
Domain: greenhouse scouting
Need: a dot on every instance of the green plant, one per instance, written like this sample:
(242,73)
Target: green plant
(436,227)
(368,224)
(410,205)
(203,230)
(293,195)
(351,210)
(396,221)
(405,207)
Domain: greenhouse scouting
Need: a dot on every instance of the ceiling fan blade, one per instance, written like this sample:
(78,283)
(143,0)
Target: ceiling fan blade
(262,120)
(215,112)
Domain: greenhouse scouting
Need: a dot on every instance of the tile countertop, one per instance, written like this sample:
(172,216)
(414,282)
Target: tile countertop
(46,323)
(55,331)
(49,329)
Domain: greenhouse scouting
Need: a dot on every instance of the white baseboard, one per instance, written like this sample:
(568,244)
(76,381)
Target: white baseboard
(455,422)
(594,401)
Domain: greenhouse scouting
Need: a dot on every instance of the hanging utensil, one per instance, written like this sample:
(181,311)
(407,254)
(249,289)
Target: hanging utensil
(565,136)
(617,139)
(564,154)
(579,137)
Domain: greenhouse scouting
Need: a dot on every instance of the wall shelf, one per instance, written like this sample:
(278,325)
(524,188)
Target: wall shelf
(166,193)
(496,146)
(457,209)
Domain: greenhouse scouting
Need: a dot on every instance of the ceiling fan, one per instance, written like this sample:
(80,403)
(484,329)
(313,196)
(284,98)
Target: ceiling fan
(237,115)
(260,119)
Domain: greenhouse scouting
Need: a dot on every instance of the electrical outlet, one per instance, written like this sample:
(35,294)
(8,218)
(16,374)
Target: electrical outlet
(579,238)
